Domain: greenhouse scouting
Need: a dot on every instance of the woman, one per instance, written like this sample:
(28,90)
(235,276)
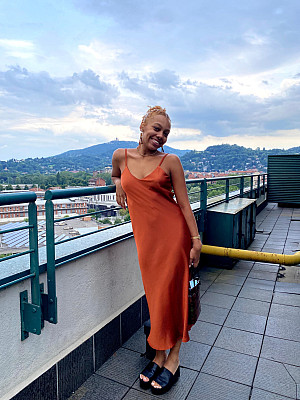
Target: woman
(167,240)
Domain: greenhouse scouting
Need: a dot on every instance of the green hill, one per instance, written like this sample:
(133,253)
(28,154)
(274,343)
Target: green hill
(227,157)
(221,158)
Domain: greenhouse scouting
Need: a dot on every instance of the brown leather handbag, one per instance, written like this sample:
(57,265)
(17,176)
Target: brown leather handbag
(194,296)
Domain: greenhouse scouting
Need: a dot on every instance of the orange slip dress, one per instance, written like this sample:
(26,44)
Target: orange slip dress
(163,244)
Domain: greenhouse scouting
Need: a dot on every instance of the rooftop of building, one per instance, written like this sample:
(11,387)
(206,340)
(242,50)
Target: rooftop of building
(246,342)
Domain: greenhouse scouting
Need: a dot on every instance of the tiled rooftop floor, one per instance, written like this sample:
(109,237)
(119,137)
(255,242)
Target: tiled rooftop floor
(246,343)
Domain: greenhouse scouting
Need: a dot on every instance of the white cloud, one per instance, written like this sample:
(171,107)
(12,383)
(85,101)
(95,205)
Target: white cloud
(40,93)
(98,56)
(18,49)
(284,139)
(16,44)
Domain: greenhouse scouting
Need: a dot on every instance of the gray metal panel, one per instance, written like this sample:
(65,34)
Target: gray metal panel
(284,179)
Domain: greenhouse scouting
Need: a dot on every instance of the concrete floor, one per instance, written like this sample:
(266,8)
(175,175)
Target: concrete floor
(246,343)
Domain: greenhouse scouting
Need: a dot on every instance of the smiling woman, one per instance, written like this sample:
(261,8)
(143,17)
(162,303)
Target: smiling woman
(167,240)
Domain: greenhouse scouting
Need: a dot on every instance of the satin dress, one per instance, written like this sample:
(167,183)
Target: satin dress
(163,244)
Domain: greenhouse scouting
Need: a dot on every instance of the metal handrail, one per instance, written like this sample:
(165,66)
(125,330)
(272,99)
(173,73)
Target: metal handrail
(248,179)
(20,198)
(28,324)
(250,255)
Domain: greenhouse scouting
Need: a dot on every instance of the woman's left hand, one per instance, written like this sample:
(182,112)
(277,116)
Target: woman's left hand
(195,254)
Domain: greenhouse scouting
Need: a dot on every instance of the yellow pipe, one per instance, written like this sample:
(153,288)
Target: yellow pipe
(284,259)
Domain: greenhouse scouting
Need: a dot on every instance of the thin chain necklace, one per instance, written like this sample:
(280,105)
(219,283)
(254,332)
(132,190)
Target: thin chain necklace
(147,155)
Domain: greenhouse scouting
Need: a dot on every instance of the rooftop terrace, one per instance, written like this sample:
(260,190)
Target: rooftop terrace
(246,343)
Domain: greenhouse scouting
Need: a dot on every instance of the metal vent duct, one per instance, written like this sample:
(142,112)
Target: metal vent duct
(284,179)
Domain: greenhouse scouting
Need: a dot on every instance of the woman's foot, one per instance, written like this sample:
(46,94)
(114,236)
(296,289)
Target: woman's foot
(151,371)
(172,365)
(148,374)
(164,381)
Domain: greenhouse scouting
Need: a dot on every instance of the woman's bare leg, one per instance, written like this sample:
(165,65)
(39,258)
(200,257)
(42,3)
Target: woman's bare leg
(159,359)
(172,362)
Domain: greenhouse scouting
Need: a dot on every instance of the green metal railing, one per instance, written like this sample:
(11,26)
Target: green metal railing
(234,186)
(44,305)
(31,313)
(50,300)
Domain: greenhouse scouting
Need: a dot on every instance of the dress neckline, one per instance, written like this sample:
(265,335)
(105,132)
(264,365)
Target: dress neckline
(145,177)
(141,179)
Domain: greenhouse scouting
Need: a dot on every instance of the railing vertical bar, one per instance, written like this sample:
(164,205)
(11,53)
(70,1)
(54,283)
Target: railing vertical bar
(242,187)
(258,186)
(227,191)
(203,206)
(251,187)
(34,256)
(51,283)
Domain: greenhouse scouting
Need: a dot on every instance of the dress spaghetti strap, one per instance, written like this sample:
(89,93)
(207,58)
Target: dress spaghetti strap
(162,160)
(125,157)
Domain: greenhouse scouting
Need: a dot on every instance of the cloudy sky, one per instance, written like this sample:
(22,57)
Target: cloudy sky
(74,73)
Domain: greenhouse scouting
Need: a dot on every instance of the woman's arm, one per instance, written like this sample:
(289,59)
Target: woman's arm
(117,161)
(179,186)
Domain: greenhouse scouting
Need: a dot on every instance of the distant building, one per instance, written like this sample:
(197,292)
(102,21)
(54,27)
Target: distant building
(61,207)
(97,182)
(103,202)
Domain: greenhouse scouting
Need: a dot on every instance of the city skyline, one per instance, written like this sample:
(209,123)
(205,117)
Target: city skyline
(74,74)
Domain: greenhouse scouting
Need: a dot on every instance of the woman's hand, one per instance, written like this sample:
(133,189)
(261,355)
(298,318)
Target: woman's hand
(120,195)
(195,253)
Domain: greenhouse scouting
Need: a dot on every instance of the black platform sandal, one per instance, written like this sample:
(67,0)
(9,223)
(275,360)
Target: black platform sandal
(166,380)
(151,372)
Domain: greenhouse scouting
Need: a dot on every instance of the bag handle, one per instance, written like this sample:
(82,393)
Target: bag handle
(194,273)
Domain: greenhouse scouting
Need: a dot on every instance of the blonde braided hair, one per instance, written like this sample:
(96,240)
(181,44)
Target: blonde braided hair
(156,110)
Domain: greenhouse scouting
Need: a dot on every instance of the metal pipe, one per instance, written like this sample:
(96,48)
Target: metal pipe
(5,285)
(16,255)
(283,259)
(16,229)
(16,198)
(77,192)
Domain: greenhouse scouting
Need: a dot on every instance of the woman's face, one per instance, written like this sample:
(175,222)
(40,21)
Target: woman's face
(156,132)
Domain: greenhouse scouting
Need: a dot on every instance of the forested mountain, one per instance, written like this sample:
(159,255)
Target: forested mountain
(227,157)
(221,158)
(88,159)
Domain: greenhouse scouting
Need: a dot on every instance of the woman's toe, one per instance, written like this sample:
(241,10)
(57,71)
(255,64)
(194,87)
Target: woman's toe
(155,385)
(144,378)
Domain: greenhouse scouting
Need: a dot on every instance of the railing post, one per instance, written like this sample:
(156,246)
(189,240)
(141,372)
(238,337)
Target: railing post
(49,301)
(251,187)
(34,256)
(264,184)
(31,314)
(203,205)
(242,187)
(258,186)
(227,191)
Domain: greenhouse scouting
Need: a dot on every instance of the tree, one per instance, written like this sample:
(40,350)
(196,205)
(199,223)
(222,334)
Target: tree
(117,221)
(105,221)
(18,187)
(127,218)
(123,212)
(58,180)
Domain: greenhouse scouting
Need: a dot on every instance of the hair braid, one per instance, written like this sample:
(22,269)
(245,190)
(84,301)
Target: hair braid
(156,110)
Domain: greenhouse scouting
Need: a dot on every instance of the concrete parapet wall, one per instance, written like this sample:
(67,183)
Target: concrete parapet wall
(91,292)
